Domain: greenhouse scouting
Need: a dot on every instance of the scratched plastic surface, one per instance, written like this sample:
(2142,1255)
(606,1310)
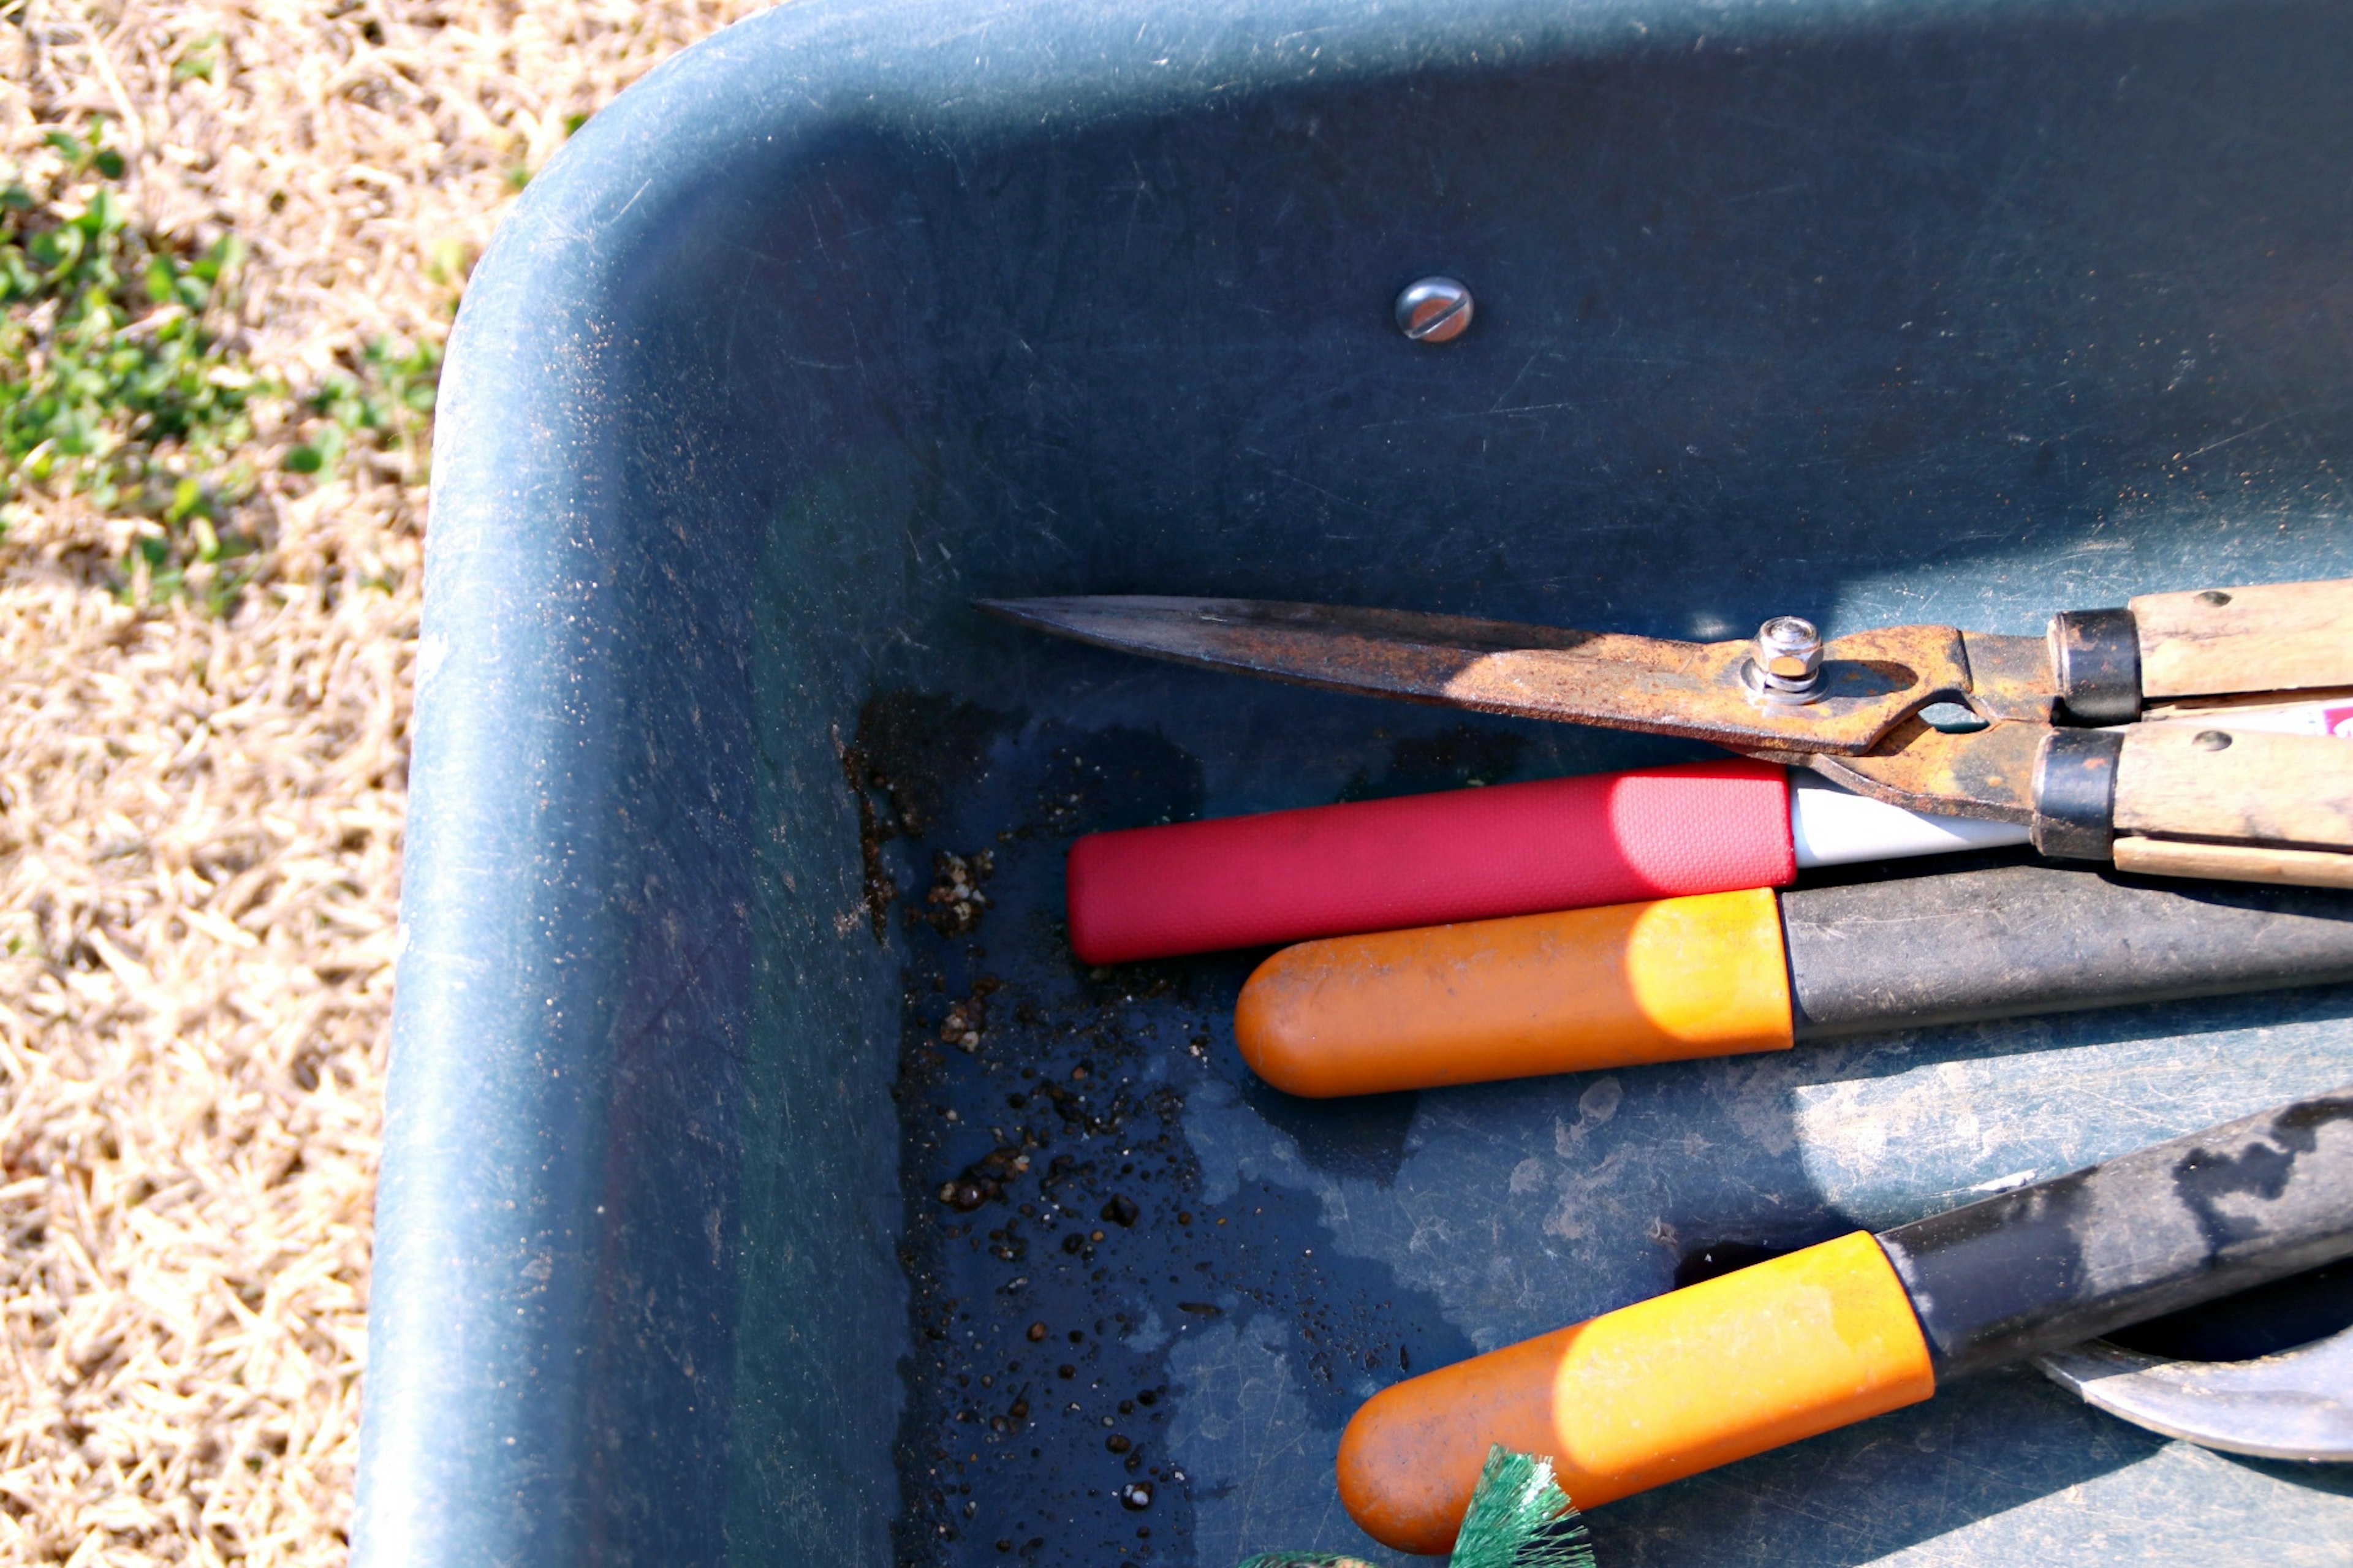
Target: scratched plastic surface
(850,315)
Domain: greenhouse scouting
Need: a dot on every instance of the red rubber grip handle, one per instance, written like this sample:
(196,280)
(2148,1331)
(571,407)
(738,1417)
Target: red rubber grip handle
(1431,859)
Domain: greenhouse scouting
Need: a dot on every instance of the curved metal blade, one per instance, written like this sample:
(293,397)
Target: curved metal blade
(2297,1405)
(1873,680)
(1987,774)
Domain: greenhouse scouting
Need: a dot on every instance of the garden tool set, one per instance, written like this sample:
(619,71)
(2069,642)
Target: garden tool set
(1656,915)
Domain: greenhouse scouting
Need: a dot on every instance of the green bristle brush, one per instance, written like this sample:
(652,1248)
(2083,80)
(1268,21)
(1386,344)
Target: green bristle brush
(1518,1519)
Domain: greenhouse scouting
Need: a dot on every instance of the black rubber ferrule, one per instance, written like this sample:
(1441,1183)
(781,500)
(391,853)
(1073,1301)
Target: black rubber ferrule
(2014,940)
(2149,1233)
(2095,660)
(2075,794)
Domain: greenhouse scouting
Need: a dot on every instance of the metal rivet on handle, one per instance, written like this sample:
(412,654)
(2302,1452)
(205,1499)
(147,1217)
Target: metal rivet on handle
(2211,741)
(2214,596)
(1434,310)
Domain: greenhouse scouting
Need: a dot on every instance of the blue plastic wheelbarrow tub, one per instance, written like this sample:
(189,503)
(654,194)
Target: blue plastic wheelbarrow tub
(1871,313)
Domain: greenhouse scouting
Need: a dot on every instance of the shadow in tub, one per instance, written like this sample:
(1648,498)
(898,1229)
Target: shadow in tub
(1097,1331)
(1147,1291)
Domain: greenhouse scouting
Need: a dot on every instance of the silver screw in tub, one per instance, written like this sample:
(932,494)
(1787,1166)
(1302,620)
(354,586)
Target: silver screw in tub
(1434,310)
(1787,665)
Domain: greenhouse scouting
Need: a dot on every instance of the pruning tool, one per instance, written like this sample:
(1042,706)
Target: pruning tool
(2156,735)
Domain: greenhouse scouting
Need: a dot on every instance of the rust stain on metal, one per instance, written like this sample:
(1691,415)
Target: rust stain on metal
(1865,732)
(1872,680)
(1988,774)
(2010,677)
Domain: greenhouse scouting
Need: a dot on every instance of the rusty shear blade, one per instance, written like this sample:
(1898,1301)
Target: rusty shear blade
(1872,681)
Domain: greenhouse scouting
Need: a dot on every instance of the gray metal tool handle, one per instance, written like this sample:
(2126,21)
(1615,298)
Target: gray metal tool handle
(2037,939)
(2189,1220)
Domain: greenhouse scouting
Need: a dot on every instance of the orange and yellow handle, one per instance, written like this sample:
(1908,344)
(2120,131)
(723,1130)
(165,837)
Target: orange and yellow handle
(1646,1394)
(1675,978)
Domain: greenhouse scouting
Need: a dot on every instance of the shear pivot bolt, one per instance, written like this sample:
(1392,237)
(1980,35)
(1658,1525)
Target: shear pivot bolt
(1434,310)
(1787,665)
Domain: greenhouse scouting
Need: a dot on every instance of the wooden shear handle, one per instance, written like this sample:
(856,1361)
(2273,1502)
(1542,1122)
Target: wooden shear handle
(2198,800)
(2194,801)
(2276,636)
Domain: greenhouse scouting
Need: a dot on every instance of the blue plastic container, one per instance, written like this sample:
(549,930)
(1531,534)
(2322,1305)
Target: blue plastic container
(1871,313)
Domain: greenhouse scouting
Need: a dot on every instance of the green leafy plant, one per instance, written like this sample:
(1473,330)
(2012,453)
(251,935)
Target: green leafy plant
(114,380)
(390,395)
(200,58)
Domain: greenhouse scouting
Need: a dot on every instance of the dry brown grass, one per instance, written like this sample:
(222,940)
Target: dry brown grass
(200,818)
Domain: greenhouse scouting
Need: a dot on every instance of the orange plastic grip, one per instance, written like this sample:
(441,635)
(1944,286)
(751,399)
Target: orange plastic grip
(1701,976)
(1646,1394)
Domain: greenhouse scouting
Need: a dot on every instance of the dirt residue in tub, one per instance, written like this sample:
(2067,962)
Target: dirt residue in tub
(962,1024)
(1056,1243)
(1037,1419)
(955,903)
(1028,1113)
(876,882)
(922,748)
(913,750)
(986,1178)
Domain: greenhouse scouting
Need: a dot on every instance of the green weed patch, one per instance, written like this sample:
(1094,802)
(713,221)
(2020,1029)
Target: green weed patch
(112,382)
(115,382)
(392,396)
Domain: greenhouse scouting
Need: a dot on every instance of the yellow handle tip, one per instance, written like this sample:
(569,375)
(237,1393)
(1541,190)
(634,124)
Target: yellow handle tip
(1648,1393)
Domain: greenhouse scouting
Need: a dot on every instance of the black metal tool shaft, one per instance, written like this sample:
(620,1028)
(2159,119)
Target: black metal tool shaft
(2033,939)
(2165,1227)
